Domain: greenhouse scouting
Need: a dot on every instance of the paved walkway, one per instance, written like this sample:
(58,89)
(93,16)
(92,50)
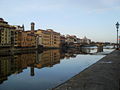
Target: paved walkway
(103,75)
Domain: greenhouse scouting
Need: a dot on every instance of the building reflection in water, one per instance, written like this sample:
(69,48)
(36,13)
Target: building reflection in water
(48,58)
(15,64)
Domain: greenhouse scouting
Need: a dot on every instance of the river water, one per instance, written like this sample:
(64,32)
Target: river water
(43,71)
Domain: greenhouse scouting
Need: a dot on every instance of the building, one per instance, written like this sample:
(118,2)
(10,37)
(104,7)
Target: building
(28,40)
(7,34)
(24,39)
(85,40)
(46,38)
(18,35)
(49,38)
(54,38)
(19,28)
(62,41)
(38,41)
(71,39)
(78,40)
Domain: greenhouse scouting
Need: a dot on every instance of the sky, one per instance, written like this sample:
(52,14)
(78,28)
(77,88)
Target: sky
(94,19)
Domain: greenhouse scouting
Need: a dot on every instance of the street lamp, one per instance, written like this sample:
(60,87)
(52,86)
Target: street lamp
(117,26)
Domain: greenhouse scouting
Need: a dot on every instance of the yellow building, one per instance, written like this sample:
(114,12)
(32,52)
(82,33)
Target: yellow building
(7,33)
(50,38)
(18,38)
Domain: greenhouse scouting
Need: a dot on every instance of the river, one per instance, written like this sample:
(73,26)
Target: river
(43,71)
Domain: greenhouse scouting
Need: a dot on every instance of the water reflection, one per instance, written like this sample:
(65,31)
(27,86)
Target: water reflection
(48,59)
(15,64)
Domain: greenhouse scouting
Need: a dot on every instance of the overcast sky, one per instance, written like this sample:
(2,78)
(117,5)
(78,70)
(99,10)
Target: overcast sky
(94,19)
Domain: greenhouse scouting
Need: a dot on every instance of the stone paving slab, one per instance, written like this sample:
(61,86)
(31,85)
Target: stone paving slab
(103,75)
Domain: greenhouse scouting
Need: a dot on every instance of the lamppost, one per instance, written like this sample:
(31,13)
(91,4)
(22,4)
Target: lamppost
(117,26)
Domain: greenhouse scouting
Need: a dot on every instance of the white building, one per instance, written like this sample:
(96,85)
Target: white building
(85,40)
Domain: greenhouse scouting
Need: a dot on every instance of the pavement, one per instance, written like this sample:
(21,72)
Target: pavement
(103,75)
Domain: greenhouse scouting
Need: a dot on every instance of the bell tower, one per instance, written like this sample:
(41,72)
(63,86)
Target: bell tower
(32,27)
(23,28)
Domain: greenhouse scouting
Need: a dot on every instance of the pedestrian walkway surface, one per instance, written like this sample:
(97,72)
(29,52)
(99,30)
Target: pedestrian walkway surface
(103,75)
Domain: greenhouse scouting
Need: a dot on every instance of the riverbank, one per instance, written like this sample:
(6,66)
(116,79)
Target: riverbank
(12,51)
(103,75)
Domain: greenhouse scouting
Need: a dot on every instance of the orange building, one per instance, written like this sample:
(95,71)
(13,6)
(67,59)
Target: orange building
(24,38)
(28,40)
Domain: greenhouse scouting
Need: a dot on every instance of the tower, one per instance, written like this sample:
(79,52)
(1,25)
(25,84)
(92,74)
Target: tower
(23,27)
(32,27)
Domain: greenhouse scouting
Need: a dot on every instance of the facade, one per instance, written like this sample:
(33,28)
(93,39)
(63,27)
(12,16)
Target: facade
(50,38)
(23,39)
(7,34)
(45,42)
(18,36)
(38,41)
(54,38)
(28,40)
